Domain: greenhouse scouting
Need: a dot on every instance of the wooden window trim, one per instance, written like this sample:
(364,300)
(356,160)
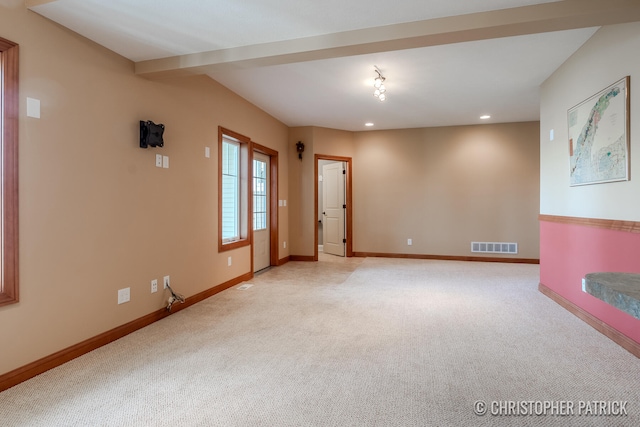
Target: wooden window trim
(245,185)
(273,206)
(9,191)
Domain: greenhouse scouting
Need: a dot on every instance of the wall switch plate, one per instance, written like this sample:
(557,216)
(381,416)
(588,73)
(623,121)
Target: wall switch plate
(166,282)
(207,152)
(229,262)
(284,244)
(33,108)
(124,295)
(409,242)
(165,162)
(584,285)
(154,286)
(551,135)
(158,160)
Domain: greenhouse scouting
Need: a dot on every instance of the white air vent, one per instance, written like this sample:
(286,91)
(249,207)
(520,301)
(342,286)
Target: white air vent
(494,247)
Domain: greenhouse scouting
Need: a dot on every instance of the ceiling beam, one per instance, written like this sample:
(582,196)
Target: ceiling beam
(33,3)
(540,18)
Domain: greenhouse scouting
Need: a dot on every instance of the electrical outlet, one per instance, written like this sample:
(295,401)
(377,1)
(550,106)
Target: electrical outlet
(229,262)
(154,286)
(166,282)
(124,295)
(409,242)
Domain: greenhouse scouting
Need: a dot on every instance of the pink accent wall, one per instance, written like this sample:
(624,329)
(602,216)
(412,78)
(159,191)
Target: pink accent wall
(568,252)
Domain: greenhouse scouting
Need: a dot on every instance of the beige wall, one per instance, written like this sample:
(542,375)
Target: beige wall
(604,59)
(446,187)
(318,141)
(300,204)
(96,215)
(441,187)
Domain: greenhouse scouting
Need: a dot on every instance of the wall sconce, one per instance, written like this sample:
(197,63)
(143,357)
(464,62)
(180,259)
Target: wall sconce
(299,149)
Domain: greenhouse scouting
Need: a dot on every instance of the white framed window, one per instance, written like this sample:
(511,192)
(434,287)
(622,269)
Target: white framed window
(230,190)
(233,189)
(259,195)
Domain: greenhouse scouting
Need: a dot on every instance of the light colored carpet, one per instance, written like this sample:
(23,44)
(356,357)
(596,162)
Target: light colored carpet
(344,342)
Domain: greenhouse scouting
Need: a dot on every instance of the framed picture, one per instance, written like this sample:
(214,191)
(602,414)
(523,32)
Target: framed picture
(599,136)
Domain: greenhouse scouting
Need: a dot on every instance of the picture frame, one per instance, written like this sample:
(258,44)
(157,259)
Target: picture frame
(598,130)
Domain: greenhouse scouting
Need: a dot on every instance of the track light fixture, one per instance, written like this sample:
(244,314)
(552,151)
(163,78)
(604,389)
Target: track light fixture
(378,84)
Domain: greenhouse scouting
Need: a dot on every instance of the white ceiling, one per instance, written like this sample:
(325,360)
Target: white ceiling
(308,62)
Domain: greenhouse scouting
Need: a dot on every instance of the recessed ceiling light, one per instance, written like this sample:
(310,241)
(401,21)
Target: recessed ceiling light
(485,117)
(368,124)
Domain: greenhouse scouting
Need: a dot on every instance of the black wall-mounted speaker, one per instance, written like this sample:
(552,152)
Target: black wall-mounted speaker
(151,134)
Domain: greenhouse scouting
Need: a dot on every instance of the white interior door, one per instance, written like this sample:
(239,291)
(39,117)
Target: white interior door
(333,208)
(261,229)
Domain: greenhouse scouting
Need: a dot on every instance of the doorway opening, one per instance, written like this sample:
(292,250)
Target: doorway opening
(333,206)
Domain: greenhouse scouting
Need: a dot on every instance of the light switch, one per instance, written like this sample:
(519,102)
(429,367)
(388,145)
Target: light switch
(551,135)
(124,295)
(33,108)
(207,152)
(158,160)
(165,162)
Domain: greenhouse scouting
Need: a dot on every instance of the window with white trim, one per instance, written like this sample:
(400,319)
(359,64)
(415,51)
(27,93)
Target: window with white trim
(230,190)
(233,188)
(259,195)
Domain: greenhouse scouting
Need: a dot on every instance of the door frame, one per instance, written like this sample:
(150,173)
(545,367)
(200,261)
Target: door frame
(349,215)
(273,203)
